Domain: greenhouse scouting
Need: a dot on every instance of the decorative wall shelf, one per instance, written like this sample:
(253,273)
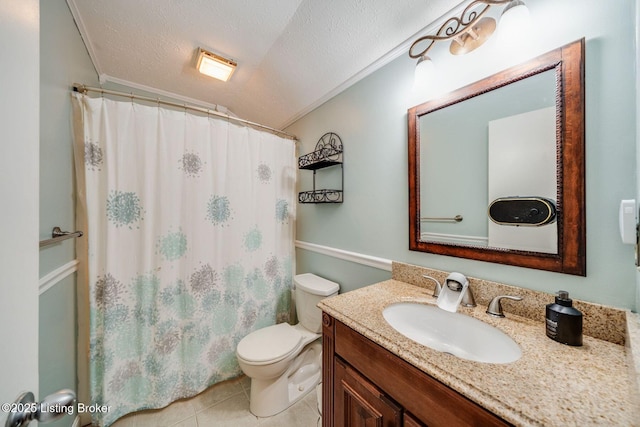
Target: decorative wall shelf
(328,152)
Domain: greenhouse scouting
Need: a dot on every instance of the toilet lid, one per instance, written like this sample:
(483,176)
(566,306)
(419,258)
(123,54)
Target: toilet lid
(269,344)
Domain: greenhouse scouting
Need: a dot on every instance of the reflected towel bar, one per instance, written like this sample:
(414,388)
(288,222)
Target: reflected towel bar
(57,235)
(456,218)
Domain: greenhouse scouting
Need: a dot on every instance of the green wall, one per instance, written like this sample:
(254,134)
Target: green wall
(371,119)
(63,61)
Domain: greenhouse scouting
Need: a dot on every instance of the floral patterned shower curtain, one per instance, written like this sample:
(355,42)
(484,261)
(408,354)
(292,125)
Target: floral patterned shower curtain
(190,246)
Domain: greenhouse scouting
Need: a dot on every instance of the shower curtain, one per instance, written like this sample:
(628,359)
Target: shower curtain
(189,244)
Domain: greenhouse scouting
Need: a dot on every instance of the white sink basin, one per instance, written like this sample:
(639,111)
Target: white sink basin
(455,333)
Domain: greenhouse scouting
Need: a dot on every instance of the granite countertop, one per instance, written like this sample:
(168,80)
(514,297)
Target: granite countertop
(551,384)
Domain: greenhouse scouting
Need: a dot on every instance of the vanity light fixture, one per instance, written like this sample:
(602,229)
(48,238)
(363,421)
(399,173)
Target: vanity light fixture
(467,32)
(215,66)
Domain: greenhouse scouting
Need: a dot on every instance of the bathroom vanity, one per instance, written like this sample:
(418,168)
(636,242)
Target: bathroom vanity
(374,375)
(396,395)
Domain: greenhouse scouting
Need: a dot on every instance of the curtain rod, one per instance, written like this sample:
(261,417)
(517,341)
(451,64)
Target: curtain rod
(84,89)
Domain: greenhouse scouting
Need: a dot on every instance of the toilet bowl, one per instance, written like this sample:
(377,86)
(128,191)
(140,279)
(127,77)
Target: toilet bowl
(284,361)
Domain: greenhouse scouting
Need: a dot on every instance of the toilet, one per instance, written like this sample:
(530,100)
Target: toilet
(283,361)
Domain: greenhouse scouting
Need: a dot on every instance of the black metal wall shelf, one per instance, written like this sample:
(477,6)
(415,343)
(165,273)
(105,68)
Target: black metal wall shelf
(329,152)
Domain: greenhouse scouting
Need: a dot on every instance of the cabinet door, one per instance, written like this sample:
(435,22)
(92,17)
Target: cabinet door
(359,403)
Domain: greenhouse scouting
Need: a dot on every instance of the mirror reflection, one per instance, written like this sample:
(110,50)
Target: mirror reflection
(498,145)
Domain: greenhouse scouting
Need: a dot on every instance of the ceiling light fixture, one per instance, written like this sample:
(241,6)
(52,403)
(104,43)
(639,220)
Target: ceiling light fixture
(469,31)
(215,66)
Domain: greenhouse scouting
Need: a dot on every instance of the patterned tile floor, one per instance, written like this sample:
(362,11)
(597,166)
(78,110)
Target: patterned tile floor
(225,404)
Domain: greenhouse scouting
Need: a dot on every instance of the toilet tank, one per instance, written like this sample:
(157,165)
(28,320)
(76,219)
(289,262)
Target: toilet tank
(310,290)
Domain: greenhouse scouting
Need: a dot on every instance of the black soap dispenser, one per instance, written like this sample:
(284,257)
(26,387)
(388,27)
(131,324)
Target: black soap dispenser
(564,323)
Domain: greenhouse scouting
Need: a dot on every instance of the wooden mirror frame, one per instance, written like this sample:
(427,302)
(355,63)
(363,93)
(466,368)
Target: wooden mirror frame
(568,63)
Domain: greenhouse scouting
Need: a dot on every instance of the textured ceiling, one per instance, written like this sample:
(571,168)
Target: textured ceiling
(292,55)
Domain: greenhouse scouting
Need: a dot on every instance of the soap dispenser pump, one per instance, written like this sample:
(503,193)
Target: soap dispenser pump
(564,323)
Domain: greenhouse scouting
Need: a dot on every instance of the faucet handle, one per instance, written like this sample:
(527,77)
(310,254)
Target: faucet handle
(495,306)
(438,287)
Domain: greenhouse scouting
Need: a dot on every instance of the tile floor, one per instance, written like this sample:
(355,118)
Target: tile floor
(225,404)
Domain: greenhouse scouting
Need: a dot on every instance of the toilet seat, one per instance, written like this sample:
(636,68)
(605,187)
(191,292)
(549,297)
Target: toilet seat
(269,345)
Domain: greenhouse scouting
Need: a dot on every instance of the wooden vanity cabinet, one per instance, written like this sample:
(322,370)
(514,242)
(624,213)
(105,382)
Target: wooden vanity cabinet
(367,385)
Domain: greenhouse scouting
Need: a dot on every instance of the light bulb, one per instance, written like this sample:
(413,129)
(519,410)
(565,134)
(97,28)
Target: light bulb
(515,24)
(425,70)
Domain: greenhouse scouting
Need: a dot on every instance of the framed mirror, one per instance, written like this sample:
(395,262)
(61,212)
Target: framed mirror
(497,168)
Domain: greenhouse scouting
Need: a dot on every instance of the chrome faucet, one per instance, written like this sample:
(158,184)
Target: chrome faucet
(454,292)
